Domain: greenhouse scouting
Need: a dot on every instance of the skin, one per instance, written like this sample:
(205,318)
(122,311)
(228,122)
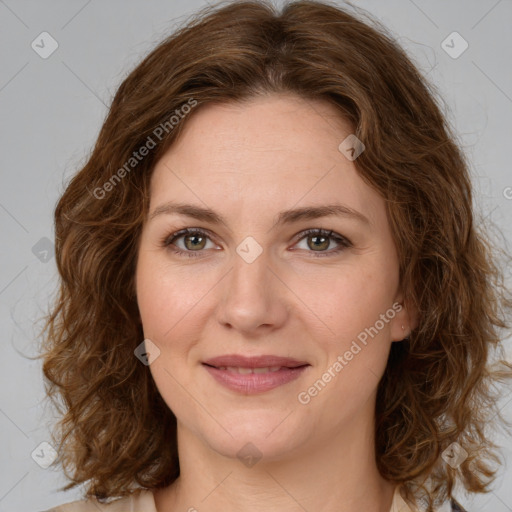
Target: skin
(247,162)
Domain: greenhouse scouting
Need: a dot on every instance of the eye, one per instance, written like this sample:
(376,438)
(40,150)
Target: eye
(195,240)
(320,239)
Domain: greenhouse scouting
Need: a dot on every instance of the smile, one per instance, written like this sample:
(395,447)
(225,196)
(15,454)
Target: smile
(254,380)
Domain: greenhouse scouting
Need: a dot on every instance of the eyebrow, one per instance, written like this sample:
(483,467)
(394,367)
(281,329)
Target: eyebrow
(284,217)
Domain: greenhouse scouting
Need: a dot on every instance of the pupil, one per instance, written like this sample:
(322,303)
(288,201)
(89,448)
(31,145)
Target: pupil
(316,237)
(195,237)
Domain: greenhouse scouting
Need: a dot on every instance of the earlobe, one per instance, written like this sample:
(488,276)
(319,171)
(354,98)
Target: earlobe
(405,321)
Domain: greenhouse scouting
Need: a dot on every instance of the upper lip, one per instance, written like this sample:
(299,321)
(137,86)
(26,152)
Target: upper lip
(254,361)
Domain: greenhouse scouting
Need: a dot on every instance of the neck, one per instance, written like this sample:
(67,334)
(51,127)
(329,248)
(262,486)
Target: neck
(338,475)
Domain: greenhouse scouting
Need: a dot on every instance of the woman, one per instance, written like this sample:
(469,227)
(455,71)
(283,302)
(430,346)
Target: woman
(273,294)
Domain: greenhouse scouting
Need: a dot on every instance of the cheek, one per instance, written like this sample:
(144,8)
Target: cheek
(353,304)
(350,299)
(168,299)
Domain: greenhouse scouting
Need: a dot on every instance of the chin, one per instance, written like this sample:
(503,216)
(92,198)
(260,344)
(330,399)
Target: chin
(257,434)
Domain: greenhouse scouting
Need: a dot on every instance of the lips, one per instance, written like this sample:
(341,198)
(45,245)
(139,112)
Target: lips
(257,374)
(265,361)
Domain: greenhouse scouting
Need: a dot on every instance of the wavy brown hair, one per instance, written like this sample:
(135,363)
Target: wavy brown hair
(116,433)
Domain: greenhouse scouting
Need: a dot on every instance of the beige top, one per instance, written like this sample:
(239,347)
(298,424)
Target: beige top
(143,501)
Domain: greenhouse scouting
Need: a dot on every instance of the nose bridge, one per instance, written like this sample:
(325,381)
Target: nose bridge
(249,281)
(252,295)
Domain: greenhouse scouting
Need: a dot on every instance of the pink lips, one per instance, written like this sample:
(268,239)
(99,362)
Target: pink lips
(273,371)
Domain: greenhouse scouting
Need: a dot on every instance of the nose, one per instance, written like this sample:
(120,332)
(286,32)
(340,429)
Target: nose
(254,298)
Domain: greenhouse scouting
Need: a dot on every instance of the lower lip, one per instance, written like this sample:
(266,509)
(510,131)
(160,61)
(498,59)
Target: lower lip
(249,383)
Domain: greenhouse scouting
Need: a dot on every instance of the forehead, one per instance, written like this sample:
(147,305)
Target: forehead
(262,127)
(276,151)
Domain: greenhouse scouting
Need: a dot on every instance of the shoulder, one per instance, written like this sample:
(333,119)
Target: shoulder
(139,501)
(400,505)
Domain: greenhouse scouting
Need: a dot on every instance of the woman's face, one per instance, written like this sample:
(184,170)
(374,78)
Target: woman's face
(256,285)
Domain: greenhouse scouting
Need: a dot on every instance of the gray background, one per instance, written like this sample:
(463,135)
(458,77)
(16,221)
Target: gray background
(52,110)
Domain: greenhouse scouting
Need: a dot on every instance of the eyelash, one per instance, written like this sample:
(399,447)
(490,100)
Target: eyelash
(343,242)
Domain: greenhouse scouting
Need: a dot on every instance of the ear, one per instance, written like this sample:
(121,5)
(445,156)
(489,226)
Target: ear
(405,320)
